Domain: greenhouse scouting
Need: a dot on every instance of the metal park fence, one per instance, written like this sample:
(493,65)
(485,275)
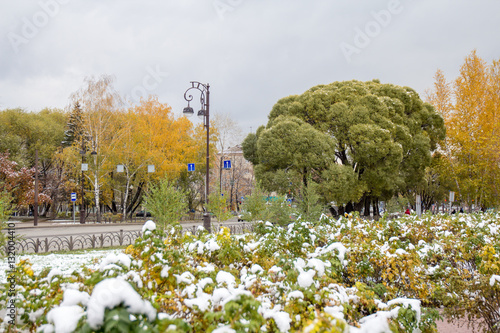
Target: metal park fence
(76,242)
(102,240)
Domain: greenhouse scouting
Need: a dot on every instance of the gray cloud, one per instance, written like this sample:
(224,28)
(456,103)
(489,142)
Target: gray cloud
(251,52)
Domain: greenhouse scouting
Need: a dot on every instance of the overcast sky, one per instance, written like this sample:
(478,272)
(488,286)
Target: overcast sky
(251,52)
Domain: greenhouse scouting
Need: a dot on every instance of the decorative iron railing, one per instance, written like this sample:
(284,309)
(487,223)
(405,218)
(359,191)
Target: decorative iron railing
(75,242)
(102,240)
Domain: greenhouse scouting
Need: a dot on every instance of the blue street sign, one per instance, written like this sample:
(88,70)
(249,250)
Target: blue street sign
(227,164)
(73,196)
(190,166)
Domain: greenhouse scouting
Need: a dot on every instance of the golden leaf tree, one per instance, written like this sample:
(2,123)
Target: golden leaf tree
(150,134)
(470,106)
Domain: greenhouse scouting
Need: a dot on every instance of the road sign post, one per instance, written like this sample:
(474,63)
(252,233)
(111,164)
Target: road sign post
(73,199)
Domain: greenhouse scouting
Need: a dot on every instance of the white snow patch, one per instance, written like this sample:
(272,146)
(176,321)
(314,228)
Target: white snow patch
(225,277)
(212,245)
(401,252)
(335,311)
(275,269)
(305,279)
(296,294)
(75,297)
(164,271)
(251,246)
(335,246)
(185,277)
(493,279)
(149,225)
(224,329)
(281,318)
(207,268)
(65,318)
(110,293)
(256,269)
(376,323)
(112,258)
(33,316)
(54,272)
(202,302)
(318,265)
(414,303)
(220,295)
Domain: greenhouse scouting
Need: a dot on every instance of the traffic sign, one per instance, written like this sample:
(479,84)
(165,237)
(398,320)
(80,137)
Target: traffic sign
(73,196)
(190,166)
(227,164)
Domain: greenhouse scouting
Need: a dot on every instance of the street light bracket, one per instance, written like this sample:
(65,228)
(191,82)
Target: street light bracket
(198,86)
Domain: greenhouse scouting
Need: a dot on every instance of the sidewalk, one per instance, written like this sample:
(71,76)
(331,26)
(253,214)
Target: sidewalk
(44,222)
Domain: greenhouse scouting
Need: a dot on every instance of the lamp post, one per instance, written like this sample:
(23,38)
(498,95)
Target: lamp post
(84,168)
(96,184)
(35,208)
(204,114)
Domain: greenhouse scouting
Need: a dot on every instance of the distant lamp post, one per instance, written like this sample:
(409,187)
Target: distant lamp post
(204,114)
(35,205)
(85,167)
(94,153)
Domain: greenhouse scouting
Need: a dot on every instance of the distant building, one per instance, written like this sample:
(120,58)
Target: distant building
(237,181)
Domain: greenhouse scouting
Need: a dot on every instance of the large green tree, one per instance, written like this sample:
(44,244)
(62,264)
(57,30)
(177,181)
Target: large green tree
(360,141)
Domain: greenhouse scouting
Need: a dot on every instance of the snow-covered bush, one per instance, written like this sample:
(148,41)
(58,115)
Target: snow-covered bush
(343,274)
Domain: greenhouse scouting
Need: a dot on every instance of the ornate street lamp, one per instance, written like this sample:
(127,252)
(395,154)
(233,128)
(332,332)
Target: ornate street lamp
(85,167)
(204,114)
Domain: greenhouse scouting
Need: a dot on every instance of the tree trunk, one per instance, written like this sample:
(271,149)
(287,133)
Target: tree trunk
(367,203)
(135,202)
(53,209)
(349,208)
(124,205)
(375,207)
(358,206)
(97,203)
